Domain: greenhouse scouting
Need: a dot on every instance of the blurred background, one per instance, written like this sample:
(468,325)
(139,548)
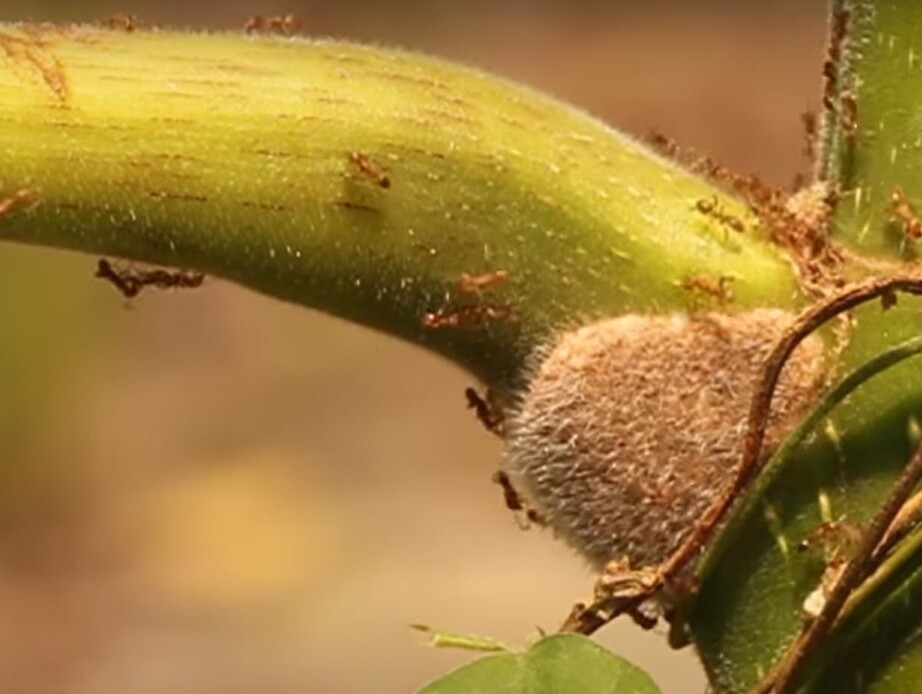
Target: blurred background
(214,492)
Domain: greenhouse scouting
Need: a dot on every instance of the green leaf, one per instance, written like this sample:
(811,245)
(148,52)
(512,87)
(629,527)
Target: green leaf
(557,664)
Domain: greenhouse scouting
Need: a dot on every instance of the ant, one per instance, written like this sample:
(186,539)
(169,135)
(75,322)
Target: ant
(514,502)
(835,537)
(912,228)
(711,208)
(284,25)
(464,316)
(366,166)
(471,284)
(510,495)
(19,200)
(486,409)
(811,133)
(717,287)
(131,282)
(125,22)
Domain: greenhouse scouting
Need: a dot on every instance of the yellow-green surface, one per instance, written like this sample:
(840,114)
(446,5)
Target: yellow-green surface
(233,155)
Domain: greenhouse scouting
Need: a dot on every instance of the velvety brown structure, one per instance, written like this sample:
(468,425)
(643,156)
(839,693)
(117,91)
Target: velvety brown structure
(631,426)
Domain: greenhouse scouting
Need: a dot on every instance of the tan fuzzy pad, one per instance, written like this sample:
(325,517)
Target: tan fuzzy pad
(631,426)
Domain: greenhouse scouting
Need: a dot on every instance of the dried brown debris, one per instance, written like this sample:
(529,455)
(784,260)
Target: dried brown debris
(627,422)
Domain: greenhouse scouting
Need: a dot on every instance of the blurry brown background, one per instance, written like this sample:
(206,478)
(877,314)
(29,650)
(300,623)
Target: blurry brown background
(214,492)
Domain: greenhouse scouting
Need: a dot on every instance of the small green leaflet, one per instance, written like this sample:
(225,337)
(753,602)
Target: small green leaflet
(557,664)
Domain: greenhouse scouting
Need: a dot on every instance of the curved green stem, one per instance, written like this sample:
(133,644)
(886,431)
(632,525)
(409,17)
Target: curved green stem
(453,209)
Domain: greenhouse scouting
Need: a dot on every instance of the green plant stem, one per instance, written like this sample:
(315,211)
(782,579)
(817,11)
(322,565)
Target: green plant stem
(450,208)
(872,142)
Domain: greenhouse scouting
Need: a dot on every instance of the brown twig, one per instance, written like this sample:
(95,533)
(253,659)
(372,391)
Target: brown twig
(591,618)
(619,590)
(787,677)
(908,517)
(806,323)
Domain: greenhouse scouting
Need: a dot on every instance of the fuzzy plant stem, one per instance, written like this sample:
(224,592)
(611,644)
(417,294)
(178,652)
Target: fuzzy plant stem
(450,208)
